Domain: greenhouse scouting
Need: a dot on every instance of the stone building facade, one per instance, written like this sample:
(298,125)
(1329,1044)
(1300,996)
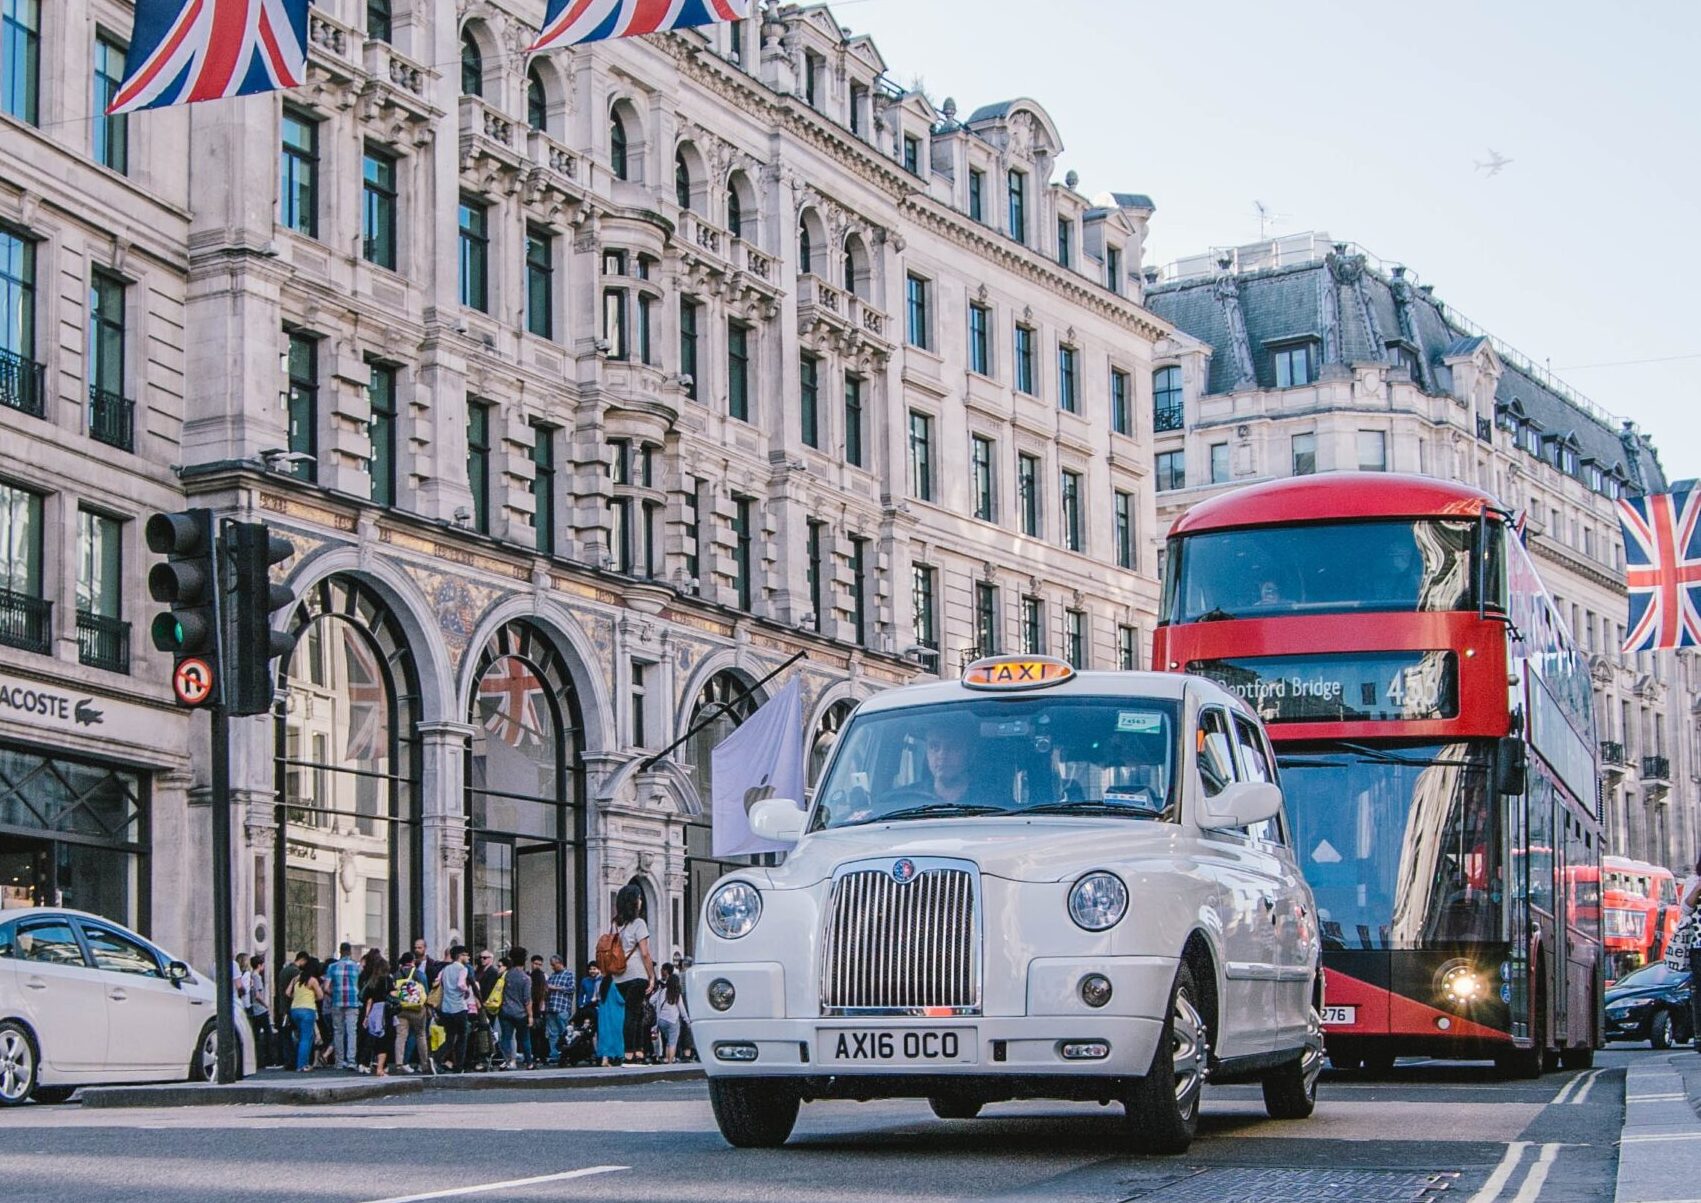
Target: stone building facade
(589,389)
(1302,355)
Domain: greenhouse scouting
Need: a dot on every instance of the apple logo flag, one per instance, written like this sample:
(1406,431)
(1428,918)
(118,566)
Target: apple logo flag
(762,759)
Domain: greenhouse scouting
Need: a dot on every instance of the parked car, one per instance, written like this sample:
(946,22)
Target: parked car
(86,1001)
(1650,1004)
(1032,883)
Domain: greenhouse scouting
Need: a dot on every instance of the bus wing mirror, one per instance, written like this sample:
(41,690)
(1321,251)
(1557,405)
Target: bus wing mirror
(777,819)
(1241,804)
(1511,766)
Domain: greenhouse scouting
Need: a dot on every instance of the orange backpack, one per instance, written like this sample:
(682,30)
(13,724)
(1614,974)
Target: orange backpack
(611,955)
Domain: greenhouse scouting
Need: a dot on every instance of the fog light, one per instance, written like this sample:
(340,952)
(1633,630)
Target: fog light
(728,1051)
(1095,989)
(1462,985)
(1086,1050)
(721,994)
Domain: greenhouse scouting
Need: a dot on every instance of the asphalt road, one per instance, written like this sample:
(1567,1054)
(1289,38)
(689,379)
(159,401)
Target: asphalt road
(1428,1130)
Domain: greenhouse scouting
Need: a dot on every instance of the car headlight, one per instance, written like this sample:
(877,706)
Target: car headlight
(734,909)
(1098,901)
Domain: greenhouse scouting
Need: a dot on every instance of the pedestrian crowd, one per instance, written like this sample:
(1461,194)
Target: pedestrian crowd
(470,1011)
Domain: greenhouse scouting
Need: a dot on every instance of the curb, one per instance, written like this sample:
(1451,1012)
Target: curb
(276,1093)
(1659,1150)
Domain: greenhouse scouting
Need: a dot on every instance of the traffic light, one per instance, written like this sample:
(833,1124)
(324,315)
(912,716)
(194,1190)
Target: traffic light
(253,599)
(188,584)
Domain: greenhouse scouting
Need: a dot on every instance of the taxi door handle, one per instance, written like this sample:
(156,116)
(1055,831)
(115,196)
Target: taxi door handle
(35,983)
(117,995)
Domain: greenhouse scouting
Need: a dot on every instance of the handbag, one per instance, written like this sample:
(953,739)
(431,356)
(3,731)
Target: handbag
(1682,941)
(434,1000)
(436,1035)
(375,1021)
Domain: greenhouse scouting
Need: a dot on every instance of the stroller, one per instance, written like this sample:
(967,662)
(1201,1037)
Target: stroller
(579,1041)
(481,1042)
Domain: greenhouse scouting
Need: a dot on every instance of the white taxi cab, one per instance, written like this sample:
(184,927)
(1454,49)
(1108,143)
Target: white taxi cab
(1031,883)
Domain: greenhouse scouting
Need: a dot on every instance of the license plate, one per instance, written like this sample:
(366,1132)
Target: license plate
(1340,1015)
(898,1046)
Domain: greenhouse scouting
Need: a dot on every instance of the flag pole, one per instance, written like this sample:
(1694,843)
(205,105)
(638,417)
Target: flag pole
(716,710)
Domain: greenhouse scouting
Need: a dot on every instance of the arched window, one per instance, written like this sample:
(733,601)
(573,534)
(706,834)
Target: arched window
(681,179)
(734,212)
(523,814)
(805,250)
(537,101)
(617,162)
(826,735)
(348,842)
(472,65)
(856,267)
(726,701)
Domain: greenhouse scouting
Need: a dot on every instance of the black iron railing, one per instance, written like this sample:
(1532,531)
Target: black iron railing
(1485,430)
(103,642)
(112,419)
(1656,768)
(25,621)
(1612,753)
(1168,417)
(23,384)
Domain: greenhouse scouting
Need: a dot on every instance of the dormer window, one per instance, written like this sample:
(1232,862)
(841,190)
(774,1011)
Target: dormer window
(1017,183)
(858,102)
(813,65)
(1406,359)
(1296,364)
(977,194)
(1065,242)
(1113,268)
(912,154)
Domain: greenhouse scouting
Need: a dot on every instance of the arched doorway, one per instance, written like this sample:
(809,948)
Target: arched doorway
(726,700)
(525,819)
(347,777)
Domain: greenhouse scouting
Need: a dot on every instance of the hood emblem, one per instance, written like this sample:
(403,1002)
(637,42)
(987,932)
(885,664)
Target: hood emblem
(903,871)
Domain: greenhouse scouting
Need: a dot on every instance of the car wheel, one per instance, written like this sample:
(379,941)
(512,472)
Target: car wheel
(204,1063)
(1577,1058)
(1163,1107)
(753,1113)
(53,1094)
(1659,1029)
(952,1107)
(17,1064)
(1291,1091)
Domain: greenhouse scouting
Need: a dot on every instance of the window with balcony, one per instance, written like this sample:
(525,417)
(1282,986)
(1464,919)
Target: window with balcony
(1024,360)
(1167,410)
(1304,454)
(743,518)
(1068,399)
(543,486)
(1219,463)
(20,60)
(103,637)
(980,471)
(378,208)
(478,462)
(472,65)
(916,311)
(1016,184)
(681,180)
(379,20)
(111,134)
(1033,626)
(26,617)
(980,339)
(921,456)
(1073,536)
(298,173)
(1121,403)
(540,282)
(923,613)
(738,370)
(853,420)
(1126,556)
(112,415)
(474,220)
(1171,470)
(690,314)
(986,618)
(1027,493)
(734,213)
(381,432)
(1295,365)
(304,404)
(809,399)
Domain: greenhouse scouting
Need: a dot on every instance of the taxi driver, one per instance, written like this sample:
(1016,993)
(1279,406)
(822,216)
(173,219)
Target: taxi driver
(947,747)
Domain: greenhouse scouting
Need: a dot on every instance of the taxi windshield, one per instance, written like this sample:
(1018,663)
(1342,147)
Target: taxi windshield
(1036,754)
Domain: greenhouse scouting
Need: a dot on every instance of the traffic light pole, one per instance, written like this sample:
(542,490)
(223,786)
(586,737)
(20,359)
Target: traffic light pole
(224,957)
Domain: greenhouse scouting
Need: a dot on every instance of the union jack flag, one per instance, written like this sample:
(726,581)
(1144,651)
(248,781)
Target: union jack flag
(1662,553)
(570,22)
(367,733)
(510,687)
(188,50)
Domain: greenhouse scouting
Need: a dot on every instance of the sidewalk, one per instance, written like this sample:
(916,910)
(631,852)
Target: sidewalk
(1659,1153)
(278,1086)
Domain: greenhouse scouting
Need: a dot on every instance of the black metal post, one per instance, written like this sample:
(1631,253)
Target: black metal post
(224,957)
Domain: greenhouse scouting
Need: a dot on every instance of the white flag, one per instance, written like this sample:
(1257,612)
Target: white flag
(762,759)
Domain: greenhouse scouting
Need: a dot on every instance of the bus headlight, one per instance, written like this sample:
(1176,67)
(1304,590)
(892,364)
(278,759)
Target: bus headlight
(1462,985)
(1098,901)
(733,910)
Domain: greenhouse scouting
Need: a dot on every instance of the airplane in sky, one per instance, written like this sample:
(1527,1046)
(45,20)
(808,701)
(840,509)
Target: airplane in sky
(1496,161)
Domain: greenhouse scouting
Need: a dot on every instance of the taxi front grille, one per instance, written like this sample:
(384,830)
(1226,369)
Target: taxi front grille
(901,949)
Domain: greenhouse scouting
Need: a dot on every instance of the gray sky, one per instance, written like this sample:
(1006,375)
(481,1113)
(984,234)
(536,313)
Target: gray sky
(1364,119)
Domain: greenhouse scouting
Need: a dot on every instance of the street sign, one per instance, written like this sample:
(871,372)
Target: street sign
(193,681)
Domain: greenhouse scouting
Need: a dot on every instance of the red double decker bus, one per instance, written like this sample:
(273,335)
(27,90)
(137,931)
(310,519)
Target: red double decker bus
(1435,729)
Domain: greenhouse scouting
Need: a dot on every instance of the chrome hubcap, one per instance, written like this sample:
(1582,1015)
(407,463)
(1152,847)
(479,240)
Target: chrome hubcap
(210,1054)
(1189,1048)
(17,1064)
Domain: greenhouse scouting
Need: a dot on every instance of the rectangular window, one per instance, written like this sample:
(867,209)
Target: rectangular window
(299,174)
(614,323)
(1293,366)
(921,591)
(1033,626)
(1121,403)
(1125,552)
(1017,183)
(915,308)
(1219,463)
(540,282)
(980,467)
(646,330)
(1171,470)
(381,432)
(694,529)
(543,486)
(986,618)
(1067,398)
(1073,538)
(378,208)
(980,340)
(640,737)
(1127,654)
(620,534)
(742,512)
(858,102)
(1113,269)
(812,68)
(475,254)
(304,405)
(859,589)
(22,380)
(1304,454)
(25,616)
(103,638)
(921,456)
(1027,493)
(378,23)
(111,414)
(809,384)
(814,569)
(478,462)
(620,461)
(1075,637)
(1025,360)
(1167,411)
(977,194)
(20,59)
(853,420)
(689,312)
(1372,451)
(738,371)
(1065,242)
(111,134)
(912,154)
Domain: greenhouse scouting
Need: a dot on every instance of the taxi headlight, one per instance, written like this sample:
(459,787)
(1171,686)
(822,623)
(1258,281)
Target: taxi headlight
(734,909)
(1098,901)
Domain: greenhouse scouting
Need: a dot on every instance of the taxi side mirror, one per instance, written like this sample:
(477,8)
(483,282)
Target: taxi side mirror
(1240,804)
(777,819)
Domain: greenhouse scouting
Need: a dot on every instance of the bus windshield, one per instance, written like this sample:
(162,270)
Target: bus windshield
(1398,842)
(1264,572)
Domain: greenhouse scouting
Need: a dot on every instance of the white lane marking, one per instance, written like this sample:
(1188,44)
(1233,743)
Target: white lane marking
(1537,1177)
(1588,1081)
(490,1186)
(1656,1098)
(1564,1094)
(1491,1189)
(1657,1137)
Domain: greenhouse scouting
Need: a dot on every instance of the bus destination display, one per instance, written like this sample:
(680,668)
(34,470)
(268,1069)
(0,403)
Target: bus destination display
(1349,688)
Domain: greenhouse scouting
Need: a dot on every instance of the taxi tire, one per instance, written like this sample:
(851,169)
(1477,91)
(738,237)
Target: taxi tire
(1159,1119)
(947,1107)
(754,1113)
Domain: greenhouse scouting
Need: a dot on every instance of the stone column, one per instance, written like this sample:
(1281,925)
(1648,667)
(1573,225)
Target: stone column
(443,830)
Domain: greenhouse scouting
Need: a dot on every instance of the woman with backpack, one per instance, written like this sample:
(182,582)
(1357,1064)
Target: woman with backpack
(636,974)
(408,995)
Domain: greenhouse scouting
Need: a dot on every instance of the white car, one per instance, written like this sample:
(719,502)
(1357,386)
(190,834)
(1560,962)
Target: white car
(86,1001)
(1033,883)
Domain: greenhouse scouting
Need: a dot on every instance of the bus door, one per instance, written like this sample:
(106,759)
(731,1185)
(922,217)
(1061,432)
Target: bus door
(1542,932)
(1515,973)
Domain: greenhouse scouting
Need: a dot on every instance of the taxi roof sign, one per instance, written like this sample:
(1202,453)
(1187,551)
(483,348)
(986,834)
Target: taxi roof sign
(1016,672)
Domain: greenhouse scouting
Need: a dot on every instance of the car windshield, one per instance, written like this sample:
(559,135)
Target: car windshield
(1036,754)
(1649,975)
(1266,572)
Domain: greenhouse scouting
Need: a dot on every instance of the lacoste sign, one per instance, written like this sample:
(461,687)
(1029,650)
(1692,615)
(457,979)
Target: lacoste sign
(35,702)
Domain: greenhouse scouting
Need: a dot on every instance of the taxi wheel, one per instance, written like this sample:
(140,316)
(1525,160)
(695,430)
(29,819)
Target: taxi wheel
(946,1107)
(17,1064)
(1291,1092)
(753,1113)
(1163,1107)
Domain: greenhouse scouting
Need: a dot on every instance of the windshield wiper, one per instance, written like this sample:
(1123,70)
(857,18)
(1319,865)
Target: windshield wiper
(1380,756)
(1217,614)
(939,808)
(1091,807)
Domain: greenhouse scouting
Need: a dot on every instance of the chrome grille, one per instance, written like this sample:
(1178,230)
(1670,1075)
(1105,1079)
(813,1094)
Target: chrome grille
(902,949)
